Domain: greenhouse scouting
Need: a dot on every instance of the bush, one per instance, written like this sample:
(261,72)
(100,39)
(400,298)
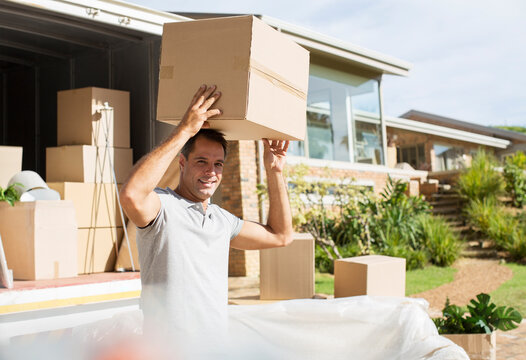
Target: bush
(479,212)
(493,220)
(481,180)
(322,262)
(441,243)
(515,178)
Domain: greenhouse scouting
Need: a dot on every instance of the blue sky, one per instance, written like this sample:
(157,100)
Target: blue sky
(468,56)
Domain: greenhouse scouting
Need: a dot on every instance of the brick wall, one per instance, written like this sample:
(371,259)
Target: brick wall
(238,194)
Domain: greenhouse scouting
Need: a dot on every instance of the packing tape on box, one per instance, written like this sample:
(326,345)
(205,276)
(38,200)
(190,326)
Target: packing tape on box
(276,79)
(166,72)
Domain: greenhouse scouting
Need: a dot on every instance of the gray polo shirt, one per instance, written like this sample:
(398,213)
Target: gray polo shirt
(183,255)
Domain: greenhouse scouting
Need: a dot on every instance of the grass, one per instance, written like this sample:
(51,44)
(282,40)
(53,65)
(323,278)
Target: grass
(416,280)
(324,283)
(513,292)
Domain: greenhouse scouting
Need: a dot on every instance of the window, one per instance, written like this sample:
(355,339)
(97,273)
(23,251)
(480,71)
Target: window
(342,106)
(413,155)
(448,157)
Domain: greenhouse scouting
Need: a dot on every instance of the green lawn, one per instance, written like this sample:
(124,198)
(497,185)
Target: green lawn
(513,292)
(416,280)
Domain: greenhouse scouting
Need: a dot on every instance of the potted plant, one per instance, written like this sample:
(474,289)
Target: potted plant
(9,194)
(475,330)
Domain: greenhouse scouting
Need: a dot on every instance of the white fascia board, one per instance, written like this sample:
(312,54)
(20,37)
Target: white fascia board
(113,12)
(425,128)
(359,167)
(314,40)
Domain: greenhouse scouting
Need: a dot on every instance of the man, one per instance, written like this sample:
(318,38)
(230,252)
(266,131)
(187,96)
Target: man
(183,240)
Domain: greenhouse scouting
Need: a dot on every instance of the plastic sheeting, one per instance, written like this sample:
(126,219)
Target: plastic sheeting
(349,328)
(360,327)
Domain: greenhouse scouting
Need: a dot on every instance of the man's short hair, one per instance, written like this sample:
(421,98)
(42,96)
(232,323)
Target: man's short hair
(209,134)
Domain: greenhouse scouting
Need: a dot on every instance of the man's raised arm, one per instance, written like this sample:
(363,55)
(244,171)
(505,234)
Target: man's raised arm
(278,231)
(138,199)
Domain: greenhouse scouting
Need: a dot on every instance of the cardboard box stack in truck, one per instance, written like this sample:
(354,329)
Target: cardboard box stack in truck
(93,137)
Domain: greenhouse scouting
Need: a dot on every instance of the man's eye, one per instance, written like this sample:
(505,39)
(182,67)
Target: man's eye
(219,164)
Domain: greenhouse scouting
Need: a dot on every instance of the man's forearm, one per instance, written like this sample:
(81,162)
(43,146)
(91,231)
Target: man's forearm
(147,173)
(279,217)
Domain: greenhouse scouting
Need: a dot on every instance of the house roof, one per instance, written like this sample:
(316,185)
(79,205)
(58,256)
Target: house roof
(424,117)
(328,47)
(445,131)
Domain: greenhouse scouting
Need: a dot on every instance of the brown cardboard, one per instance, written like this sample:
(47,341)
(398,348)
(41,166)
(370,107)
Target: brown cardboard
(261,73)
(288,272)
(83,163)
(369,275)
(477,346)
(39,239)
(96,205)
(123,259)
(10,163)
(80,120)
(97,249)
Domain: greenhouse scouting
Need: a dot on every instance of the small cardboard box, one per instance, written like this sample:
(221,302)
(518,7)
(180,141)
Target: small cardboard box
(262,74)
(288,272)
(369,275)
(39,239)
(91,164)
(81,119)
(10,163)
(477,346)
(96,205)
(97,249)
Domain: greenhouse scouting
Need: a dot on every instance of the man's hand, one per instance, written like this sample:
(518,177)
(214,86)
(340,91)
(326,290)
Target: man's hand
(199,110)
(274,156)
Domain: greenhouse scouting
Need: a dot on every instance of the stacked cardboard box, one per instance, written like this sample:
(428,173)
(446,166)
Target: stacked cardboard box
(93,134)
(38,239)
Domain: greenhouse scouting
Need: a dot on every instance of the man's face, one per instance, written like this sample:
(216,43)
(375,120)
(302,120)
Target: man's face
(202,172)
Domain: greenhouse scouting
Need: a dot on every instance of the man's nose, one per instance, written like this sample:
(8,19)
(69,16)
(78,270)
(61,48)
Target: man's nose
(210,169)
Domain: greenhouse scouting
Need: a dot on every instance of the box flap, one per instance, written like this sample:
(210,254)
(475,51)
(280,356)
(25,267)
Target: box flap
(279,57)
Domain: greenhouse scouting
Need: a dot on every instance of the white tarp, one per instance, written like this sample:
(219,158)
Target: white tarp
(360,327)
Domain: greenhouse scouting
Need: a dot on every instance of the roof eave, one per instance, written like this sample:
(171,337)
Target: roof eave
(421,127)
(314,41)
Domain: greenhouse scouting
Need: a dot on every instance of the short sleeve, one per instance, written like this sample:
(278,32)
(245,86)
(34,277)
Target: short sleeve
(235,223)
(156,224)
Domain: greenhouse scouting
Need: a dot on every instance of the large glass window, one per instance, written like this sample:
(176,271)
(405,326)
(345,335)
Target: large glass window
(414,155)
(343,118)
(448,157)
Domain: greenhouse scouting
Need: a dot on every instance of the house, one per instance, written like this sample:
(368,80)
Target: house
(49,46)
(442,145)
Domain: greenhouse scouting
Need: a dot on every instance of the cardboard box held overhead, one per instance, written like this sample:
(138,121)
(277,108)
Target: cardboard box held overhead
(83,163)
(39,239)
(81,119)
(261,73)
(10,163)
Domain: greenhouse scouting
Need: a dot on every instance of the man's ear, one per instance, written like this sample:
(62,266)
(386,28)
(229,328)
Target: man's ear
(182,161)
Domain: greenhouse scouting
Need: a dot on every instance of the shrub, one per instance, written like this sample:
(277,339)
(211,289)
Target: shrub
(479,212)
(515,178)
(481,180)
(441,243)
(507,231)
